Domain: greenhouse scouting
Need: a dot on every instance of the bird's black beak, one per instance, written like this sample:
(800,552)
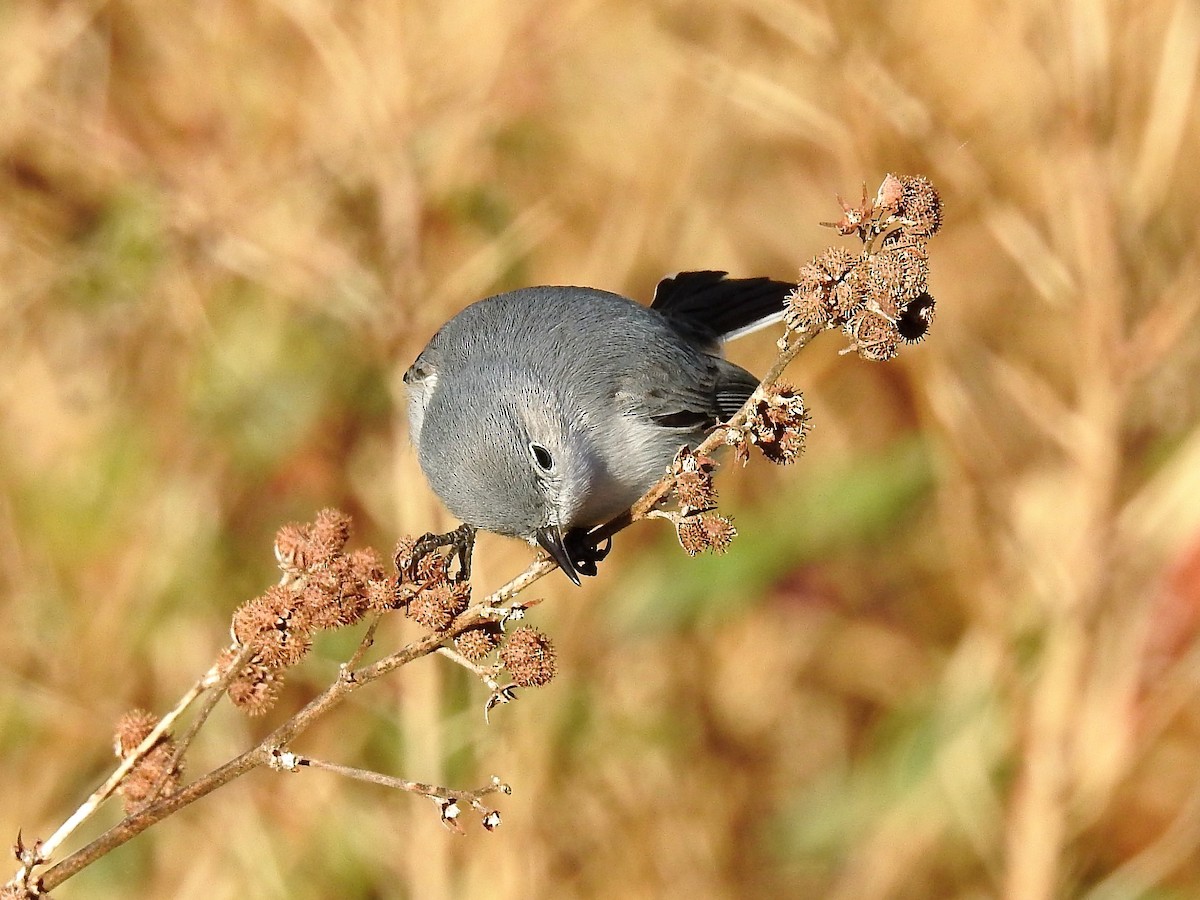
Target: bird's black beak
(551,539)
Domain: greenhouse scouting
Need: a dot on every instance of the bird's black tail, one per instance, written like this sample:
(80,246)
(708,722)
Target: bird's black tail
(720,307)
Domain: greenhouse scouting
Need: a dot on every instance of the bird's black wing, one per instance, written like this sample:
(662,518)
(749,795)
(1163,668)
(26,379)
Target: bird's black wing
(709,305)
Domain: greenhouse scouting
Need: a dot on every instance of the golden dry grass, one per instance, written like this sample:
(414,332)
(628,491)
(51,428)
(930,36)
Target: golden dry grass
(954,652)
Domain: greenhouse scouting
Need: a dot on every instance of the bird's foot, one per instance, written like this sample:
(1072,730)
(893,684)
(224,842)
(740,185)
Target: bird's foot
(461,541)
(584,552)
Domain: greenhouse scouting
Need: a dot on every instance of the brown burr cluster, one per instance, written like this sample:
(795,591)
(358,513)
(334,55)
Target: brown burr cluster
(880,297)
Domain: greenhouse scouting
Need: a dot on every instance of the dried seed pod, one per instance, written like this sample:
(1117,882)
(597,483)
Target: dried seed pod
(139,783)
(921,205)
(365,565)
(846,296)
(884,276)
(875,336)
(855,219)
(382,595)
(693,481)
(327,536)
(705,531)
(695,491)
(436,607)
(914,320)
(807,309)
(256,688)
(889,195)
(293,547)
(912,265)
(331,530)
(138,786)
(835,262)
(778,423)
(529,657)
(276,624)
(132,728)
(476,643)
(334,597)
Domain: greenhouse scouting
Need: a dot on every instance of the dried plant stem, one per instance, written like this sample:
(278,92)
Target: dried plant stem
(260,755)
(1044,816)
(210,703)
(486,673)
(102,793)
(433,791)
(352,678)
(368,639)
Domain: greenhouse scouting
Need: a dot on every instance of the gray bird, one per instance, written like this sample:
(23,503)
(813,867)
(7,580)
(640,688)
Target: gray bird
(544,411)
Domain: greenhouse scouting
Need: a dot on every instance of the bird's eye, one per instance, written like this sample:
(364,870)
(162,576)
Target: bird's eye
(541,457)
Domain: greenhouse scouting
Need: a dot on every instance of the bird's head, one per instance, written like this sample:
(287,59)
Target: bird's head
(514,462)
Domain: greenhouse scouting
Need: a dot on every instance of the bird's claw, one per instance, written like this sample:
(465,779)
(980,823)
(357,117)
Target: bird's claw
(461,541)
(585,554)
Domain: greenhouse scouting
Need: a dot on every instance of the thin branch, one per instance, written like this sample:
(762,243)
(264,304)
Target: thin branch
(133,825)
(110,784)
(487,674)
(368,640)
(210,702)
(433,791)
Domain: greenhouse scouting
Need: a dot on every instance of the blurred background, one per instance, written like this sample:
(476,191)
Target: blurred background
(954,651)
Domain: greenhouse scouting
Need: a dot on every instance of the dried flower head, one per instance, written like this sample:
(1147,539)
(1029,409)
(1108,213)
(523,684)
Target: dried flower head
(813,278)
(476,643)
(140,782)
(330,532)
(846,296)
(807,308)
(693,481)
(907,205)
(529,657)
(277,626)
(889,195)
(920,205)
(381,595)
(695,490)
(366,565)
(883,275)
(778,423)
(304,548)
(823,291)
(705,531)
(293,547)
(914,319)
(225,660)
(874,336)
(256,688)
(436,607)
(910,264)
(132,728)
(855,219)
(835,262)
(334,597)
